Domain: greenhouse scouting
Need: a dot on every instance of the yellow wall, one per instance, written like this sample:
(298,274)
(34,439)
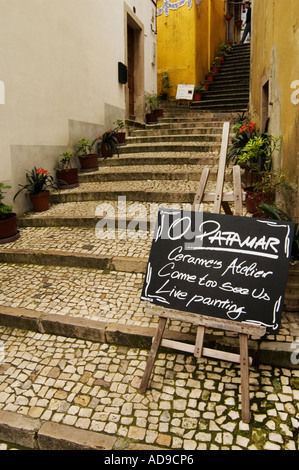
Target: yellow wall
(275,52)
(188,40)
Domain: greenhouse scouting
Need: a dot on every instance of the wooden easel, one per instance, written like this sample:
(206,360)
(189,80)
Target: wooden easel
(201,321)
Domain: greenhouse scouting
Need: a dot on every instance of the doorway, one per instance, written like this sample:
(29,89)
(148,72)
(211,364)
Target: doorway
(134,43)
(131,72)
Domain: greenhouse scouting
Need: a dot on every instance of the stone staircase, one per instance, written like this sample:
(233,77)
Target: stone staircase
(100,234)
(230,89)
(75,331)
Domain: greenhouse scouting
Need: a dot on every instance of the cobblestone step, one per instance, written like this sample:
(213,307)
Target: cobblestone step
(158,191)
(75,335)
(96,248)
(175,159)
(172,138)
(62,393)
(168,146)
(165,130)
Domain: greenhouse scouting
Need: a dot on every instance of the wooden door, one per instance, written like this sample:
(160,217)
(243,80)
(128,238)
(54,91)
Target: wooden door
(131,70)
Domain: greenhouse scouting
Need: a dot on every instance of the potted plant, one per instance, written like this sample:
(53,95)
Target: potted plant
(67,176)
(198,89)
(152,104)
(38,184)
(88,160)
(238,23)
(264,190)
(206,85)
(165,86)
(108,146)
(8,220)
(228,16)
(251,149)
(120,133)
(215,66)
(210,76)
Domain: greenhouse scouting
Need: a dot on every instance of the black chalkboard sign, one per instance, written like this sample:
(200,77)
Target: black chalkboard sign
(229,267)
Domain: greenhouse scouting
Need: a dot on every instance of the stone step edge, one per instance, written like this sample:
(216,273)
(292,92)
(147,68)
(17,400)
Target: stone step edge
(36,434)
(274,353)
(74,260)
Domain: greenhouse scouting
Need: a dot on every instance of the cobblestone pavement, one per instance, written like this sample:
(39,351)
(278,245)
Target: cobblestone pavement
(191,404)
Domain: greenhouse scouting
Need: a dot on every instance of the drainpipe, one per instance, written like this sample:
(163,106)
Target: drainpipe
(209,34)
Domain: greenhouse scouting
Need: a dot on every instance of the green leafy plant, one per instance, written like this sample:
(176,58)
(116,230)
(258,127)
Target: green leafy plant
(84,147)
(38,181)
(119,123)
(65,160)
(274,182)
(251,149)
(257,153)
(4,209)
(110,141)
(152,102)
(198,88)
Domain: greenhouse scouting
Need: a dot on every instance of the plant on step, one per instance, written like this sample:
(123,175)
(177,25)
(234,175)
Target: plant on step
(152,101)
(84,147)
(119,130)
(264,190)
(257,153)
(165,86)
(88,160)
(65,160)
(8,219)
(120,125)
(66,175)
(38,181)
(108,144)
(5,210)
(198,88)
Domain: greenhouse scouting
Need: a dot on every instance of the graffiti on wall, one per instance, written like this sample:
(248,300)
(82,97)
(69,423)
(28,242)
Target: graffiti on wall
(169,5)
(295,94)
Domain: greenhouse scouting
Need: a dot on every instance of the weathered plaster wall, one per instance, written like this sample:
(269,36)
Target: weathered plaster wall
(275,52)
(188,39)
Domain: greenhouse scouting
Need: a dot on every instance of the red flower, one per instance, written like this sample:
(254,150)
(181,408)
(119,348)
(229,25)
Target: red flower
(248,126)
(41,171)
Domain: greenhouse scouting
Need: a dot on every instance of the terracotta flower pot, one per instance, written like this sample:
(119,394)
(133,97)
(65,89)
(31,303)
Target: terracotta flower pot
(197,97)
(121,137)
(151,118)
(67,178)
(253,200)
(210,78)
(215,69)
(159,113)
(9,229)
(40,201)
(105,150)
(89,163)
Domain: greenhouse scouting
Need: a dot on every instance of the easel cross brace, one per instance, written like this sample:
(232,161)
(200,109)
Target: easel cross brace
(200,321)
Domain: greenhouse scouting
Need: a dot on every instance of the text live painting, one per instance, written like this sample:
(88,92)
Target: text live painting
(225,266)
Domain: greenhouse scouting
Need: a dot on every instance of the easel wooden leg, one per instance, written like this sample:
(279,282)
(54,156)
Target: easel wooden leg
(199,341)
(153,353)
(244,363)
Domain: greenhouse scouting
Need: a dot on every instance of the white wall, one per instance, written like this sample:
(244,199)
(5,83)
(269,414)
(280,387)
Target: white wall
(59,66)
